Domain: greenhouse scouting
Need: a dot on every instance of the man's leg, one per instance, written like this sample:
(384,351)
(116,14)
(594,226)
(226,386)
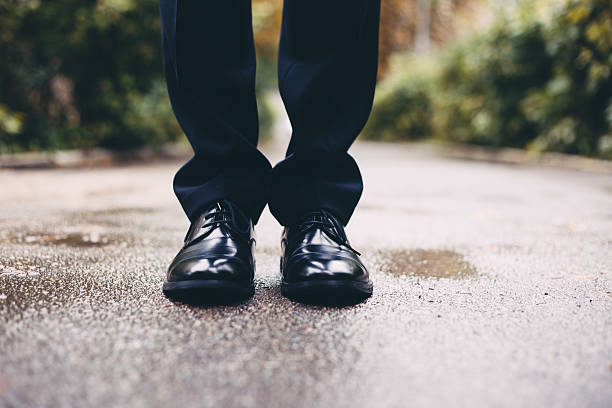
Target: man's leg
(209,60)
(328,59)
(210,69)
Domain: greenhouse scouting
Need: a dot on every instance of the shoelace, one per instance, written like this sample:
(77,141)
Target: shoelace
(225,216)
(218,218)
(328,223)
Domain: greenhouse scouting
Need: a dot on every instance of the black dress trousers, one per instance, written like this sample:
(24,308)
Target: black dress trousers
(327,64)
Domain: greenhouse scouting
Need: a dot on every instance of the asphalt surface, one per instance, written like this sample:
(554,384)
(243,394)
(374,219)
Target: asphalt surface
(493,287)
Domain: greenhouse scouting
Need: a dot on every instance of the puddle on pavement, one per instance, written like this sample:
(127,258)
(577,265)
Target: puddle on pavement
(426,263)
(74,239)
(87,235)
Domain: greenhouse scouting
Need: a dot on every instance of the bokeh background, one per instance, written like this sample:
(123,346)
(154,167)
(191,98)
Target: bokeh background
(536,75)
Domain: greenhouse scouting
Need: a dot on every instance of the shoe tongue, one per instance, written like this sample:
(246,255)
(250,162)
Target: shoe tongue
(239,218)
(317,216)
(219,211)
(318,219)
(216,209)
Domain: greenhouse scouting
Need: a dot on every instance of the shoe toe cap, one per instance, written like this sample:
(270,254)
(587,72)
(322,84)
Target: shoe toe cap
(314,266)
(211,268)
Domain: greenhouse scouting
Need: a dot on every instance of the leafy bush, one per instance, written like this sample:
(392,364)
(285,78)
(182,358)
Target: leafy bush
(403,105)
(526,85)
(83,73)
(75,70)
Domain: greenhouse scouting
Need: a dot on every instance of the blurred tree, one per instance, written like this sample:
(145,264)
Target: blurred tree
(267,16)
(398,27)
(521,83)
(81,73)
(78,70)
(415,24)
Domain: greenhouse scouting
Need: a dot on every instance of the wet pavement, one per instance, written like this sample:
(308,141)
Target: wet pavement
(493,287)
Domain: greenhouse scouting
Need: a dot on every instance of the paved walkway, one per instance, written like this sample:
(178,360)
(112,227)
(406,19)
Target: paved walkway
(493,287)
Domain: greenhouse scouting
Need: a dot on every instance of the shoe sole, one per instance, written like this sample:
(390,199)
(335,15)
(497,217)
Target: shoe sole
(208,292)
(328,292)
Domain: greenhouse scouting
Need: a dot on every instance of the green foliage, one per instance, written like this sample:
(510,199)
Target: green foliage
(403,105)
(265,82)
(490,78)
(82,73)
(520,84)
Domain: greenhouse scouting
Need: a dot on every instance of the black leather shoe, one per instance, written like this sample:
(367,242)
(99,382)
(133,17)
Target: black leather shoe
(319,266)
(216,265)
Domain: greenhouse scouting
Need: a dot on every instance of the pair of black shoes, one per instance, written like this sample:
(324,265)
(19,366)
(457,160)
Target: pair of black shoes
(216,264)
